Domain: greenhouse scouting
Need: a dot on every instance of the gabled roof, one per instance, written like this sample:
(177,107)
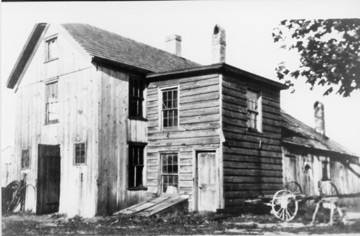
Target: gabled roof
(297,133)
(113,47)
(27,52)
(106,48)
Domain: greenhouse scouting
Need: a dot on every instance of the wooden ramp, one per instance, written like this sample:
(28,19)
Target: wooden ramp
(153,206)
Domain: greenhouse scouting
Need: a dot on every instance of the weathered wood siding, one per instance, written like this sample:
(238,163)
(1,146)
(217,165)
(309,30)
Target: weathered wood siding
(77,121)
(115,130)
(294,170)
(199,124)
(251,160)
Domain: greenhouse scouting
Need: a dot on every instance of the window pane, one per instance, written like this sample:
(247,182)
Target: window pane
(136,89)
(169,108)
(80,153)
(135,166)
(169,170)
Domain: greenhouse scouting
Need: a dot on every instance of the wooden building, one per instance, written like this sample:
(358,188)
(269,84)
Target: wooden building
(105,122)
(310,158)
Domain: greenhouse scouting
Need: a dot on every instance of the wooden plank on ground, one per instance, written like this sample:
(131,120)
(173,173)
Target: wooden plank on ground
(172,201)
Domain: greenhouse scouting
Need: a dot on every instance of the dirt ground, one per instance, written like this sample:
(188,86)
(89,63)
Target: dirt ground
(175,224)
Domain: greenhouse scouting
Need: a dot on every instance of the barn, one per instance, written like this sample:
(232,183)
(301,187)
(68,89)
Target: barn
(105,122)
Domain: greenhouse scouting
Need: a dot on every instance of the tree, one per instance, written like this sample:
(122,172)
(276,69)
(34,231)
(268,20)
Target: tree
(329,52)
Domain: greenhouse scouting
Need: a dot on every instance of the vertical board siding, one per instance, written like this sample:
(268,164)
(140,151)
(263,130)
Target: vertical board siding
(251,160)
(199,124)
(345,181)
(77,121)
(115,130)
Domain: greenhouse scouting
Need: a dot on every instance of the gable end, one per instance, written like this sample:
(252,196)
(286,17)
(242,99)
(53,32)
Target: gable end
(27,52)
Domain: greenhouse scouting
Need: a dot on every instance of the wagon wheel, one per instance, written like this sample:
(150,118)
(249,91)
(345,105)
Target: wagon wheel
(294,187)
(284,205)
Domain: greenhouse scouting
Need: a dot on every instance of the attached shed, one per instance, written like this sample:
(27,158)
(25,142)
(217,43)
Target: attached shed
(310,157)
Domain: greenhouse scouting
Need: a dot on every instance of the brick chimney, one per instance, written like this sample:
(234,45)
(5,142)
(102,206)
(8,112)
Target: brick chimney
(319,115)
(218,45)
(173,44)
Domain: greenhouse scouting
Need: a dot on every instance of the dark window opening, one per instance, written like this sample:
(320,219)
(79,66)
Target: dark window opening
(25,159)
(136,165)
(80,153)
(136,97)
(170,107)
(52,103)
(51,49)
(325,170)
(169,170)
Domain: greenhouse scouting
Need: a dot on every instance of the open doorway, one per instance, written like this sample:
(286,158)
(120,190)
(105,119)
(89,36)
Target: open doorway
(48,186)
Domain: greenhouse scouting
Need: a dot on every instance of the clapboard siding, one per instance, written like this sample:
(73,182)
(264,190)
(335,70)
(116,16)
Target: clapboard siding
(199,123)
(251,160)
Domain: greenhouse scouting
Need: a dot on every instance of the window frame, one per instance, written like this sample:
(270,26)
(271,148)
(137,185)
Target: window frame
(48,49)
(259,119)
(137,79)
(162,173)
(23,167)
(141,186)
(325,163)
(85,154)
(161,113)
(47,102)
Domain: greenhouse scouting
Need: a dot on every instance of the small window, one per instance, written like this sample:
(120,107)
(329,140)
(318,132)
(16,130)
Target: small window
(169,173)
(25,159)
(51,52)
(80,153)
(51,94)
(254,120)
(136,165)
(136,97)
(325,170)
(170,107)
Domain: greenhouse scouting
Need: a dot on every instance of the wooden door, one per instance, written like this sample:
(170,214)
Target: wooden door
(48,179)
(206,181)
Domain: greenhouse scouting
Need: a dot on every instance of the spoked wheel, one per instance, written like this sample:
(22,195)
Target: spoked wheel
(284,205)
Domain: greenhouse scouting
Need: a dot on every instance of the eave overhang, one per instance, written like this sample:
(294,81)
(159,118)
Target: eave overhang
(221,68)
(339,156)
(26,54)
(117,65)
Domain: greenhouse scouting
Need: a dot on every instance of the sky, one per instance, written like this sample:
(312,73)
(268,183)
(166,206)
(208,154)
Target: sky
(250,46)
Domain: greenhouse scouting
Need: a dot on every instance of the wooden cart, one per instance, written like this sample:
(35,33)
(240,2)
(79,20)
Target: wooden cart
(285,203)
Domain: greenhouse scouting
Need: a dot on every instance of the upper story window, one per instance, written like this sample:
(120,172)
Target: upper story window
(136,165)
(51,99)
(51,50)
(254,120)
(169,107)
(80,153)
(136,97)
(25,159)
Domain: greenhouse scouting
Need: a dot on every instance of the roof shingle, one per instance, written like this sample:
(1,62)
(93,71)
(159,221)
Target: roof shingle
(303,135)
(107,45)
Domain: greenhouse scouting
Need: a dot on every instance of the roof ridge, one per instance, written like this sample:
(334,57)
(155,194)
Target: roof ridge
(135,41)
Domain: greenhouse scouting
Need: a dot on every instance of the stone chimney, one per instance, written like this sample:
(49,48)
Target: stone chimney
(218,45)
(319,115)
(173,44)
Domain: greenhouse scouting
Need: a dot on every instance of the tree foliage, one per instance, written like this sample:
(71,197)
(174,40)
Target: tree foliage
(329,52)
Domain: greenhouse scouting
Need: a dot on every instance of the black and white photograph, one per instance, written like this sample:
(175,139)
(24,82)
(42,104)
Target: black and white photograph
(180,117)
